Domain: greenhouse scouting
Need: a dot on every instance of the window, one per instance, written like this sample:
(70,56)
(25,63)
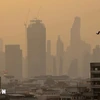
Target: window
(96,69)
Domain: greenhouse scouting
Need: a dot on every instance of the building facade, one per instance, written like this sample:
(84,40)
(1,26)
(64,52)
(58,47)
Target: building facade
(13,59)
(36,48)
(95,80)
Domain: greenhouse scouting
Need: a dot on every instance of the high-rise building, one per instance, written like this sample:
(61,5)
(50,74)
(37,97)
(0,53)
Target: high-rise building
(95,80)
(77,47)
(59,55)
(73,69)
(49,62)
(2,57)
(13,59)
(75,32)
(36,48)
(49,47)
(54,66)
(1,45)
(96,54)
(86,65)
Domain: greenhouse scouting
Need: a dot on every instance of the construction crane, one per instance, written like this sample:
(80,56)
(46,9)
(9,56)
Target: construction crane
(38,12)
(25,24)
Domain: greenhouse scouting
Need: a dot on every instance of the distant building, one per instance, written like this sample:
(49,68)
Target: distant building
(13,59)
(96,54)
(95,80)
(86,65)
(2,57)
(36,48)
(49,62)
(73,69)
(54,66)
(25,69)
(77,47)
(59,55)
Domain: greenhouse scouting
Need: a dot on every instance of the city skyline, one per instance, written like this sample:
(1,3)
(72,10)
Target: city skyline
(58,20)
(64,62)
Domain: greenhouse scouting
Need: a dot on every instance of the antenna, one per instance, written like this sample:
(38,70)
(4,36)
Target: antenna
(38,12)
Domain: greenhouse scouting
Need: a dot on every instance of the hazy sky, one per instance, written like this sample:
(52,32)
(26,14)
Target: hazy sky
(58,16)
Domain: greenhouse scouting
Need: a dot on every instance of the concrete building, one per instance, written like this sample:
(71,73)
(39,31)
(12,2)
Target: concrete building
(49,59)
(59,56)
(2,57)
(13,59)
(36,48)
(95,80)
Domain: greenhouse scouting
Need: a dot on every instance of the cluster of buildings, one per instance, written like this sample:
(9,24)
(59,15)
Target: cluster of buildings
(40,61)
(56,87)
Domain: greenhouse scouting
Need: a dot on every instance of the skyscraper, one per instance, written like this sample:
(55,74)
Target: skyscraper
(1,45)
(96,54)
(49,47)
(77,47)
(36,48)
(49,62)
(73,69)
(13,59)
(54,66)
(2,57)
(59,54)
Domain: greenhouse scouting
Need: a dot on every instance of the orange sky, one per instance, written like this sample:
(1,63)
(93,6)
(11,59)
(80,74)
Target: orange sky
(58,16)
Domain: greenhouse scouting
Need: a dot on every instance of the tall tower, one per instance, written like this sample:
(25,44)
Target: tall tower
(2,56)
(36,48)
(48,59)
(54,66)
(49,47)
(75,31)
(96,54)
(59,55)
(1,45)
(13,58)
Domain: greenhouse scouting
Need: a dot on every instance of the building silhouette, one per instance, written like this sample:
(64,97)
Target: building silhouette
(36,48)
(73,69)
(59,55)
(86,64)
(61,66)
(95,80)
(2,57)
(49,59)
(77,47)
(96,54)
(25,68)
(13,60)
(54,66)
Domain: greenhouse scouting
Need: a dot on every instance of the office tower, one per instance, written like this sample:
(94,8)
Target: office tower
(49,62)
(36,48)
(61,66)
(75,32)
(25,69)
(96,54)
(73,69)
(1,45)
(77,47)
(2,57)
(59,54)
(95,80)
(49,47)
(13,59)
(54,66)
(86,64)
